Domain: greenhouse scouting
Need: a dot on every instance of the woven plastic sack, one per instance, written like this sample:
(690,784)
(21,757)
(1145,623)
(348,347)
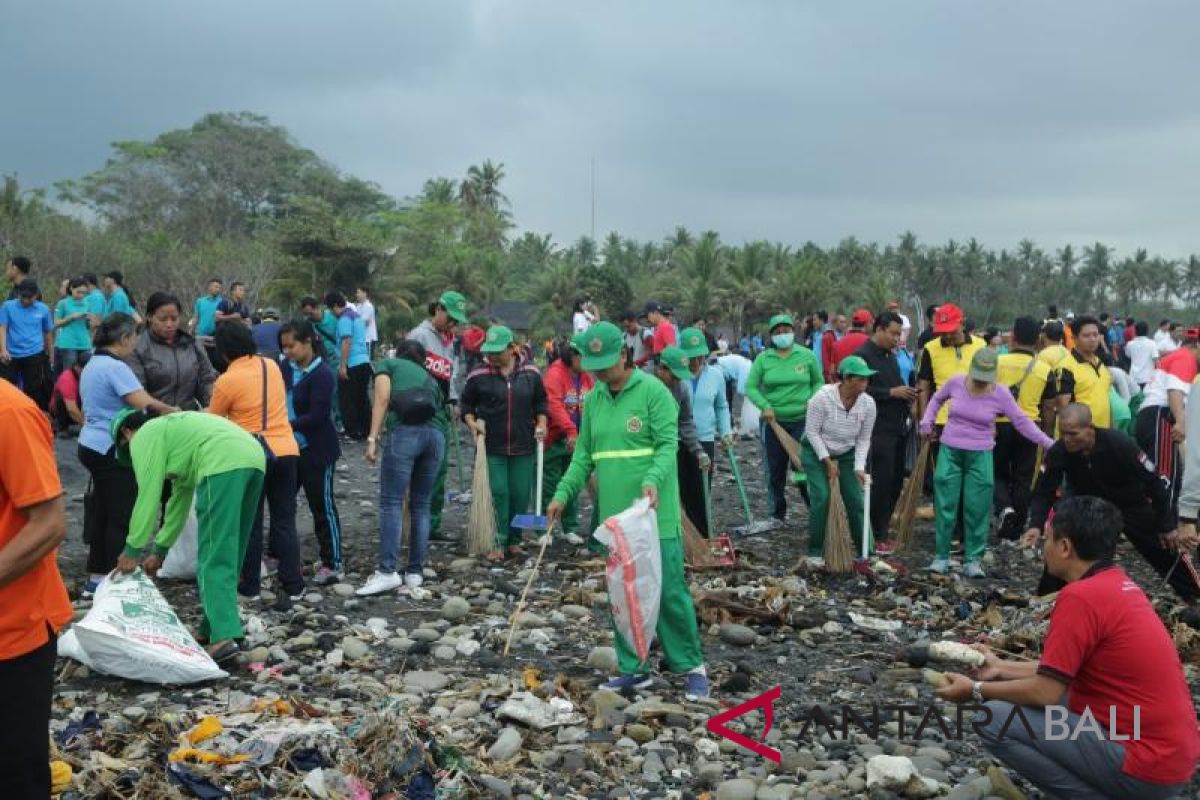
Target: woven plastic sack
(180,563)
(750,419)
(634,573)
(132,632)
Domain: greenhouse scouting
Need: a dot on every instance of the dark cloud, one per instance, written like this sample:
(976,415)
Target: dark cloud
(1068,121)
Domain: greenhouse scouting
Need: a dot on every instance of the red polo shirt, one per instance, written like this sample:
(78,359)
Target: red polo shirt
(664,337)
(1110,648)
(847,346)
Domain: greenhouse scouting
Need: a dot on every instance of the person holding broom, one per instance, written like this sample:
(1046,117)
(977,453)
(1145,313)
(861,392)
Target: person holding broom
(508,397)
(629,436)
(783,378)
(222,466)
(964,464)
(837,438)
(566,384)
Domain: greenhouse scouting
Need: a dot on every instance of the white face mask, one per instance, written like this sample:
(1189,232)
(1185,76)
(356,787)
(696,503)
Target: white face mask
(783,340)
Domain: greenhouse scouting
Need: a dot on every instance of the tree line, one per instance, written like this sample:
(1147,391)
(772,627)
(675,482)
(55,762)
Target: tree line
(237,197)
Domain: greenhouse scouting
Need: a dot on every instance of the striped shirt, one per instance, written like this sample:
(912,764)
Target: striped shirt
(833,431)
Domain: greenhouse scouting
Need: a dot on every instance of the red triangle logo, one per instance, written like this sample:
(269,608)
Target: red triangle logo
(765,701)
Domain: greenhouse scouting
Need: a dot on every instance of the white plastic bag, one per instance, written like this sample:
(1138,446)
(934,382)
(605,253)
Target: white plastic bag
(132,632)
(180,563)
(750,418)
(634,573)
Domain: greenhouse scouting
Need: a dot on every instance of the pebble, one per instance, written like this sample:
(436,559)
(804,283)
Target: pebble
(467,647)
(455,608)
(425,635)
(576,612)
(603,659)
(355,649)
(639,733)
(257,654)
(737,635)
(134,713)
(444,652)
(400,644)
(465,709)
(425,680)
(343,589)
(497,786)
(314,598)
(737,789)
(507,745)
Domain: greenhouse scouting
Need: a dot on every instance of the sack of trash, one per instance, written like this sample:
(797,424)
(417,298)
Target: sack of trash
(132,632)
(180,563)
(634,573)
(750,418)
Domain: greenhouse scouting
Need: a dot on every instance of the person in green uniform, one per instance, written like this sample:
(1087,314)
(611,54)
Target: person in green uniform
(222,466)
(782,380)
(629,435)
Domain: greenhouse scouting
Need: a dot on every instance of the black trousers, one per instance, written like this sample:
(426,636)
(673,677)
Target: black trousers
(106,515)
(317,482)
(1142,533)
(1153,429)
(1013,461)
(354,401)
(691,490)
(779,466)
(279,494)
(886,464)
(26,691)
(32,375)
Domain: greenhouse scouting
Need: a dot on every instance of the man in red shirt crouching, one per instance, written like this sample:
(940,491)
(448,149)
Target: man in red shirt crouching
(1129,726)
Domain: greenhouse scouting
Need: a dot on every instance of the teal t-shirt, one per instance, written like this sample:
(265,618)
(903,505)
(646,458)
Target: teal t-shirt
(404,374)
(206,314)
(76,335)
(118,302)
(327,330)
(96,302)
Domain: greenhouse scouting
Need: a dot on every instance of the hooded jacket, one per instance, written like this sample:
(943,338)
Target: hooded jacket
(564,400)
(177,374)
(508,407)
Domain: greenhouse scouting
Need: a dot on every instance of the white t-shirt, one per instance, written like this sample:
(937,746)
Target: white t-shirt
(581,321)
(736,368)
(1155,393)
(1141,352)
(366,310)
(1164,342)
(636,342)
(905,327)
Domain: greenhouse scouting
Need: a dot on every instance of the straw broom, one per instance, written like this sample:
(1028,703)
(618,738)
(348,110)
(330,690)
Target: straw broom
(697,551)
(910,497)
(481,519)
(839,545)
(789,444)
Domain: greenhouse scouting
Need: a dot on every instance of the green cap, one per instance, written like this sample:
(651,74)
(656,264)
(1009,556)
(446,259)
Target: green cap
(122,448)
(692,343)
(456,305)
(576,341)
(983,365)
(601,346)
(855,366)
(675,360)
(498,338)
(780,319)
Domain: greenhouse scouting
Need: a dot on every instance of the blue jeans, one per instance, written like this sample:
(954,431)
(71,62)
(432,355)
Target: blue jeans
(411,456)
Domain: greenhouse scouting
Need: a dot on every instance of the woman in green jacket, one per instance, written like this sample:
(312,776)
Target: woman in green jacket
(222,466)
(782,380)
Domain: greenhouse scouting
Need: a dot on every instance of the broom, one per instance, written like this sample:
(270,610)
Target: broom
(839,546)
(481,519)
(789,444)
(697,550)
(910,497)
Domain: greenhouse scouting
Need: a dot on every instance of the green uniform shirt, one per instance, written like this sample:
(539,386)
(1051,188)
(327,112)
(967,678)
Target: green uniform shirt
(404,374)
(784,385)
(631,442)
(185,448)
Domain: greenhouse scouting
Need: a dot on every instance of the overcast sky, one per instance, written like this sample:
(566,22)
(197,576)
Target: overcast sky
(1063,121)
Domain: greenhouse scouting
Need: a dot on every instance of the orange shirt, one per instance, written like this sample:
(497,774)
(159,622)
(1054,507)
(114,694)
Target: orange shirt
(237,395)
(28,476)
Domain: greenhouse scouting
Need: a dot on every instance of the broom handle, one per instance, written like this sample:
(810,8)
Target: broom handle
(524,592)
(457,455)
(708,525)
(541,451)
(737,477)
(866,532)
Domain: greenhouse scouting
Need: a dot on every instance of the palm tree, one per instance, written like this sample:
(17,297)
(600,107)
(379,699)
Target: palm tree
(1095,273)
(481,188)
(702,265)
(747,278)
(803,286)
(438,190)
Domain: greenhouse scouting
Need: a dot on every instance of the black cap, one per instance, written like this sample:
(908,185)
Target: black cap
(28,288)
(653,306)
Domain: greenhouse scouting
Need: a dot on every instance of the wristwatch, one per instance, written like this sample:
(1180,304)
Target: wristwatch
(977,691)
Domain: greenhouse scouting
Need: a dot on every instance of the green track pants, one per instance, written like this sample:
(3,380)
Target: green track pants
(511,479)
(966,474)
(554,465)
(818,498)
(226,504)
(676,631)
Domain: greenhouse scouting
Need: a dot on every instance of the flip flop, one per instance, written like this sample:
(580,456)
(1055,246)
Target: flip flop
(225,652)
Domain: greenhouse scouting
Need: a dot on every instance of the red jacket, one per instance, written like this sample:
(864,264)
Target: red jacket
(846,346)
(564,400)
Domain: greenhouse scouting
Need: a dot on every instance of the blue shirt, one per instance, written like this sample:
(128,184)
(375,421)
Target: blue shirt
(118,301)
(206,314)
(96,302)
(25,327)
(75,335)
(350,326)
(102,386)
(710,409)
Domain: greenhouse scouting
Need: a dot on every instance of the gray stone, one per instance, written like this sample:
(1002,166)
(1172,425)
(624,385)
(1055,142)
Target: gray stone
(455,608)
(710,773)
(639,733)
(496,787)
(425,680)
(425,635)
(737,789)
(576,612)
(355,649)
(462,565)
(737,635)
(465,709)
(507,745)
(603,659)
(314,598)
(936,752)
(401,644)
(343,589)
(444,653)
(974,790)
(258,654)
(134,713)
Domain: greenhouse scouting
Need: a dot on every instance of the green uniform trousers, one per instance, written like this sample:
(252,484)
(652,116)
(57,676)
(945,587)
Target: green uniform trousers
(226,504)
(511,479)
(676,630)
(554,464)
(966,474)
(818,498)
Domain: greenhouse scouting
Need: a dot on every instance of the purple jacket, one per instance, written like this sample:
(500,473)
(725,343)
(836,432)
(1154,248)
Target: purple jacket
(972,421)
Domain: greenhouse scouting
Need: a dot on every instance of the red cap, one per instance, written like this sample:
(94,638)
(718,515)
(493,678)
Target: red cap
(1192,333)
(860,317)
(947,318)
(472,338)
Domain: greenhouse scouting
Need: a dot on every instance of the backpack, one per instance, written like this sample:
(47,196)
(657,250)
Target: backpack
(416,405)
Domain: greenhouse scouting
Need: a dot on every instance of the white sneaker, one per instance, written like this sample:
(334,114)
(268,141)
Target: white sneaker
(378,583)
(573,539)
(940,565)
(413,580)
(974,569)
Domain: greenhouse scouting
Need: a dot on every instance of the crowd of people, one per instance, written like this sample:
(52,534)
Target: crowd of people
(227,417)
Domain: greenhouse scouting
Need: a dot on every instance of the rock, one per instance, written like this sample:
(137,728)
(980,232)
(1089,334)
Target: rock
(974,790)
(496,787)
(257,654)
(507,745)
(455,608)
(134,713)
(639,733)
(401,644)
(603,659)
(355,649)
(444,653)
(465,709)
(537,713)
(710,773)
(736,789)
(780,791)
(737,635)
(343,589)
(426,635)
(889,772)
(425,680)
(460,565)
(576,612)
(1002,786)
(467,647)
(937,753)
